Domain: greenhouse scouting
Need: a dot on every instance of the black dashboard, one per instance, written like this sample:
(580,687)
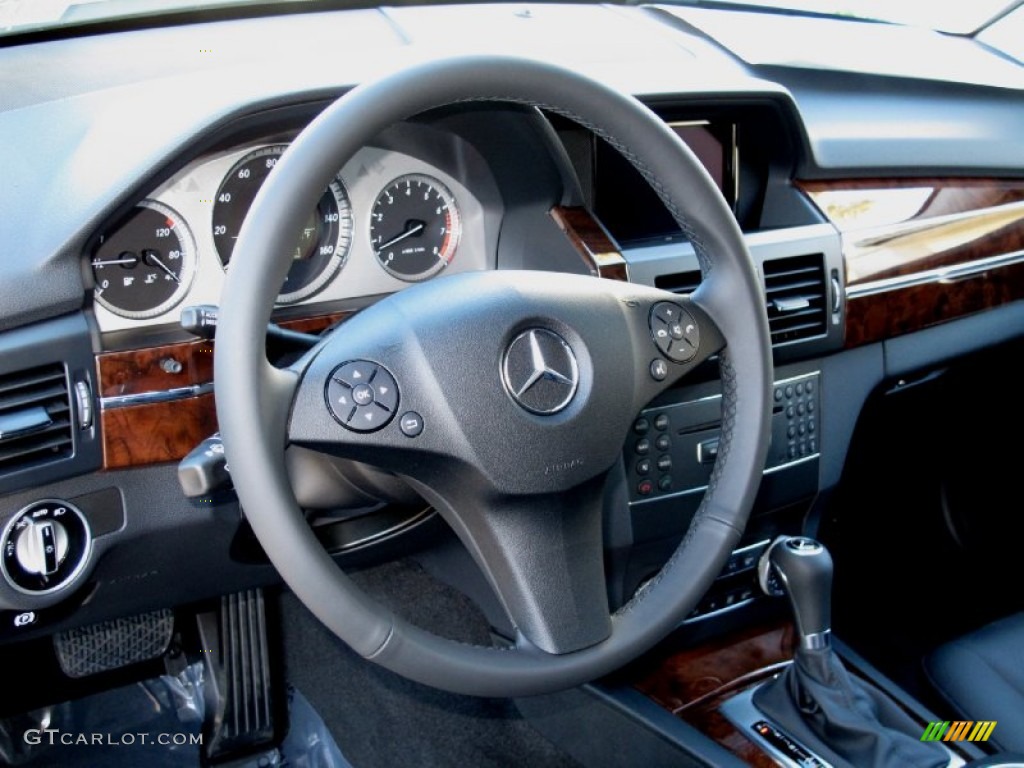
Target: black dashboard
(124,187)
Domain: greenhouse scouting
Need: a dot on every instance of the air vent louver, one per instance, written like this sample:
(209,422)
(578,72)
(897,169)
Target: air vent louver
(35,418)
(796,298)
(679,282)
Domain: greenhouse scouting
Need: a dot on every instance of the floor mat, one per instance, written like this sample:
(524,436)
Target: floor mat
(156,723)
(383,720)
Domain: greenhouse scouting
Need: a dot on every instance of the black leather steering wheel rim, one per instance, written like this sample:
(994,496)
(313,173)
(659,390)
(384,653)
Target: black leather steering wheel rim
(253,398)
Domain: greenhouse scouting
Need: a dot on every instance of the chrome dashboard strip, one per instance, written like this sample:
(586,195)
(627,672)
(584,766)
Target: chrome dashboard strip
(158,396)
(939,275)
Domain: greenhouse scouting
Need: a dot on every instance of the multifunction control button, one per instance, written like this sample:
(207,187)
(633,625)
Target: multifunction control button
(411,424)
(659,369)
(651,458)
(799,401)
(362,395)
(674,331)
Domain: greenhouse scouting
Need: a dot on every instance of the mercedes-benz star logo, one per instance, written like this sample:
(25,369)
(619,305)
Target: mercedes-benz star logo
(540,371)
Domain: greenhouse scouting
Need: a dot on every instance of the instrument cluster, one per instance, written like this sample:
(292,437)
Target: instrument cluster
(387,219)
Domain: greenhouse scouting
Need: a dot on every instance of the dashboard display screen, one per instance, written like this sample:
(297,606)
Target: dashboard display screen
(628,207)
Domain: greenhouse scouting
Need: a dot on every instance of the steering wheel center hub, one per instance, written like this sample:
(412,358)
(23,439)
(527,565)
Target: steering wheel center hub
(540,371)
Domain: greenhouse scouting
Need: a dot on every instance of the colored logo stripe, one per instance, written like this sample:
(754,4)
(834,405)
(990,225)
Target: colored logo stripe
(982,730)
(959,730)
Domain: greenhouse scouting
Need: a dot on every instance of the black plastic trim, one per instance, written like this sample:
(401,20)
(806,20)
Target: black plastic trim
(614,726)
(65,341)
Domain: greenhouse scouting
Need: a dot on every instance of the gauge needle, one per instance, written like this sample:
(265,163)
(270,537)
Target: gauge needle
(415,229)
(155,259)
(108,262)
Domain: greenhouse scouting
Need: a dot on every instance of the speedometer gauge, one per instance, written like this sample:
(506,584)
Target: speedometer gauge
(325,238)
(146,265)
(415,227)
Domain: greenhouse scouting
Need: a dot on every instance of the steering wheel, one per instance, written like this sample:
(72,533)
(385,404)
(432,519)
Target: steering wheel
(503,397)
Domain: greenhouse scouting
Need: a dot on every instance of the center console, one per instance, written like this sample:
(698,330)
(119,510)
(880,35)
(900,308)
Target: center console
(668,460)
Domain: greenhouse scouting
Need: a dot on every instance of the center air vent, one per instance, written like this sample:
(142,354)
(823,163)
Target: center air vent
(795,295)
(35,418)
(679,282)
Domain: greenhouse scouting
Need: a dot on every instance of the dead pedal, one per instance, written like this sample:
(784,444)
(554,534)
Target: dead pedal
(113,644)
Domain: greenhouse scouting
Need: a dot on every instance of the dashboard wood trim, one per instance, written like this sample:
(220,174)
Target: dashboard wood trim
(693,683)
(878,316)
(138,435)
(149,434)
(155,368)
(592,242)
(917,250)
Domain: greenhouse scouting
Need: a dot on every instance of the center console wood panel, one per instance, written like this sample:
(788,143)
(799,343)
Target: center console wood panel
(692,683)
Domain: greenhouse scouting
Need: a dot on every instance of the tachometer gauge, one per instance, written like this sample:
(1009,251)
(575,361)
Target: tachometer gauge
(146,265)
(323,243)
(415,227)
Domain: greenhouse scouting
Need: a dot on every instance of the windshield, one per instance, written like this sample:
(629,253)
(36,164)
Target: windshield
(18,16)
(959,18)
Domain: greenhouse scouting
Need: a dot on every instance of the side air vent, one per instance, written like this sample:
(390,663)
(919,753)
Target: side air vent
(35,418)
(796,298)
(679,282)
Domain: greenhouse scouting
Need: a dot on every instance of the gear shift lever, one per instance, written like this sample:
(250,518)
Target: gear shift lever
(802,568)
(815,700)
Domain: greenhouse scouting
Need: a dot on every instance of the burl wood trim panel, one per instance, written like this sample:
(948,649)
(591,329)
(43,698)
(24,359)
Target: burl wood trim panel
(148,434)
(694,674)
(949,222)
(940,225)
(880,316)
(693,683)
(592,242)
(146,370)
(313,324)
(137,435)
(948,196)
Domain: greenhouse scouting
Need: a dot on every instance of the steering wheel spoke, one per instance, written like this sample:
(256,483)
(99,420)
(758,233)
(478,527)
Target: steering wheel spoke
(543,557)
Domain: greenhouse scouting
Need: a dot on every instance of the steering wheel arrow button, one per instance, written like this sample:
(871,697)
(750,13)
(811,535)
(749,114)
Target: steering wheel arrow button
(385,390)
(355,372)
(362,395)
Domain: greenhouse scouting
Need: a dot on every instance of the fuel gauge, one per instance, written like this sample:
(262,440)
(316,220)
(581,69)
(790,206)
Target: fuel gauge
(145,266)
